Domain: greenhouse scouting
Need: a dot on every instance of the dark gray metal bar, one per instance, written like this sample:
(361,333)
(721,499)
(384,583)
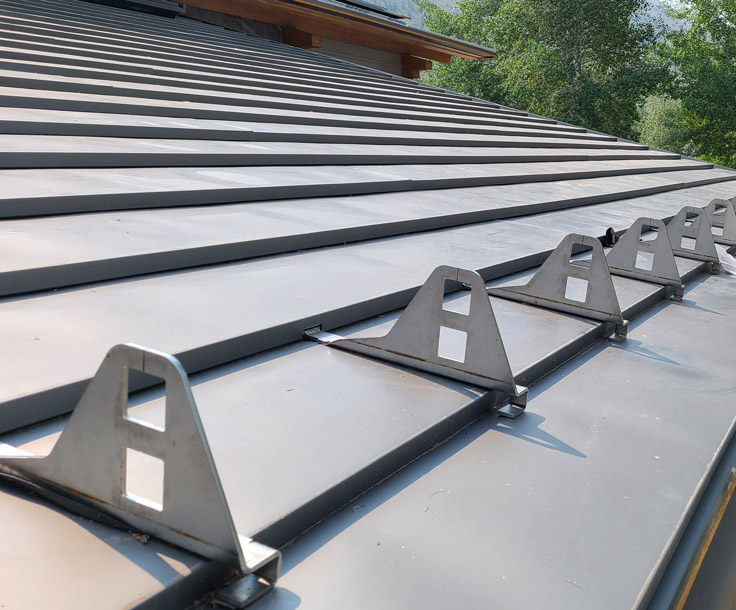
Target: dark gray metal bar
(65,191)
(69,250)
(255,306)
(49,151)
(295,126)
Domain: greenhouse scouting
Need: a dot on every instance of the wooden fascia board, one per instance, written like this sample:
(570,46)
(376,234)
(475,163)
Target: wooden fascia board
(343,25)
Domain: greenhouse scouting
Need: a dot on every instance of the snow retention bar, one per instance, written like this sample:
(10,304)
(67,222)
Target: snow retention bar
(578,287)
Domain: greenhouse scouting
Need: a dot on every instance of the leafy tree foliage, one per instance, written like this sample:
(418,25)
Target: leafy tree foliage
(586,62)
(661,124)
(473,21)
(703,58)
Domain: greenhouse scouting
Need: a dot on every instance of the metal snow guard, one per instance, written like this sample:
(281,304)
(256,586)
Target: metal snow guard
(90,463)
(416,338)
(649,258)
(583,288)
(691,236)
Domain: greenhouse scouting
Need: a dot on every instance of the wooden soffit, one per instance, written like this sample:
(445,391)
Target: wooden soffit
(348,25)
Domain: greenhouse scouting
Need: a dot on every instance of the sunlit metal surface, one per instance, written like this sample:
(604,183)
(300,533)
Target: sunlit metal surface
(212,196)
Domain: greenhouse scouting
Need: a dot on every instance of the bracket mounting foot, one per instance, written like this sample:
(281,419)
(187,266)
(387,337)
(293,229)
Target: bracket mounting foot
(244,591)
(620,332)
(516,405)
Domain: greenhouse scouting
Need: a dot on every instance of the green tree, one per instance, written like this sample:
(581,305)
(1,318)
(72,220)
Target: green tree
(703,57)
(472,21)
(586,62)
(662,124)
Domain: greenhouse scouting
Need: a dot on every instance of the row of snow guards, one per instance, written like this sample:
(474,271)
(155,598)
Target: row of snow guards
(102,465)
(245,210)
(468,346)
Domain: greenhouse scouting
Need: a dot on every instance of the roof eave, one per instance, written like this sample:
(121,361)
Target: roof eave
(351,25)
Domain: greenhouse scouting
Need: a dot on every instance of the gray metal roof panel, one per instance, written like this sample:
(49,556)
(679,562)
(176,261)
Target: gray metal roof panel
(299,430)
(58,251)
(37,192)
(39,96)
(295,292)
(63,110)
(40,151)
(86,564)
(469,523)
(310,396)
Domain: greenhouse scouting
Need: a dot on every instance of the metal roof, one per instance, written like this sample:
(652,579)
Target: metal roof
(371,8)
(214,196)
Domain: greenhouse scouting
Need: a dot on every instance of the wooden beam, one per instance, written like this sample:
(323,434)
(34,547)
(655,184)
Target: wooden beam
(300,38)
(412,66)
(443,58)
(342,25)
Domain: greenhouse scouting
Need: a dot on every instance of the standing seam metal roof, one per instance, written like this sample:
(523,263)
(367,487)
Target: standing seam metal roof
(212,195)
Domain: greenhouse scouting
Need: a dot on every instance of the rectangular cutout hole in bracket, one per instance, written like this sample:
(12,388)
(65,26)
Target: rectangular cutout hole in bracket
(688,243)
(144,479)
(459,305)
(644,260)
(452,344)
(717,230)
(151,413)
(576,289)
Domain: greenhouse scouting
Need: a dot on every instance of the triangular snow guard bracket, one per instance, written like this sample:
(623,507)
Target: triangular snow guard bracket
(651,260)
(92,457)
(690,236)
(722,220)
(429,337)
(583,288)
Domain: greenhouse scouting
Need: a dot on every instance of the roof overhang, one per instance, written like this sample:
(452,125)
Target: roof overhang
(350,25)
